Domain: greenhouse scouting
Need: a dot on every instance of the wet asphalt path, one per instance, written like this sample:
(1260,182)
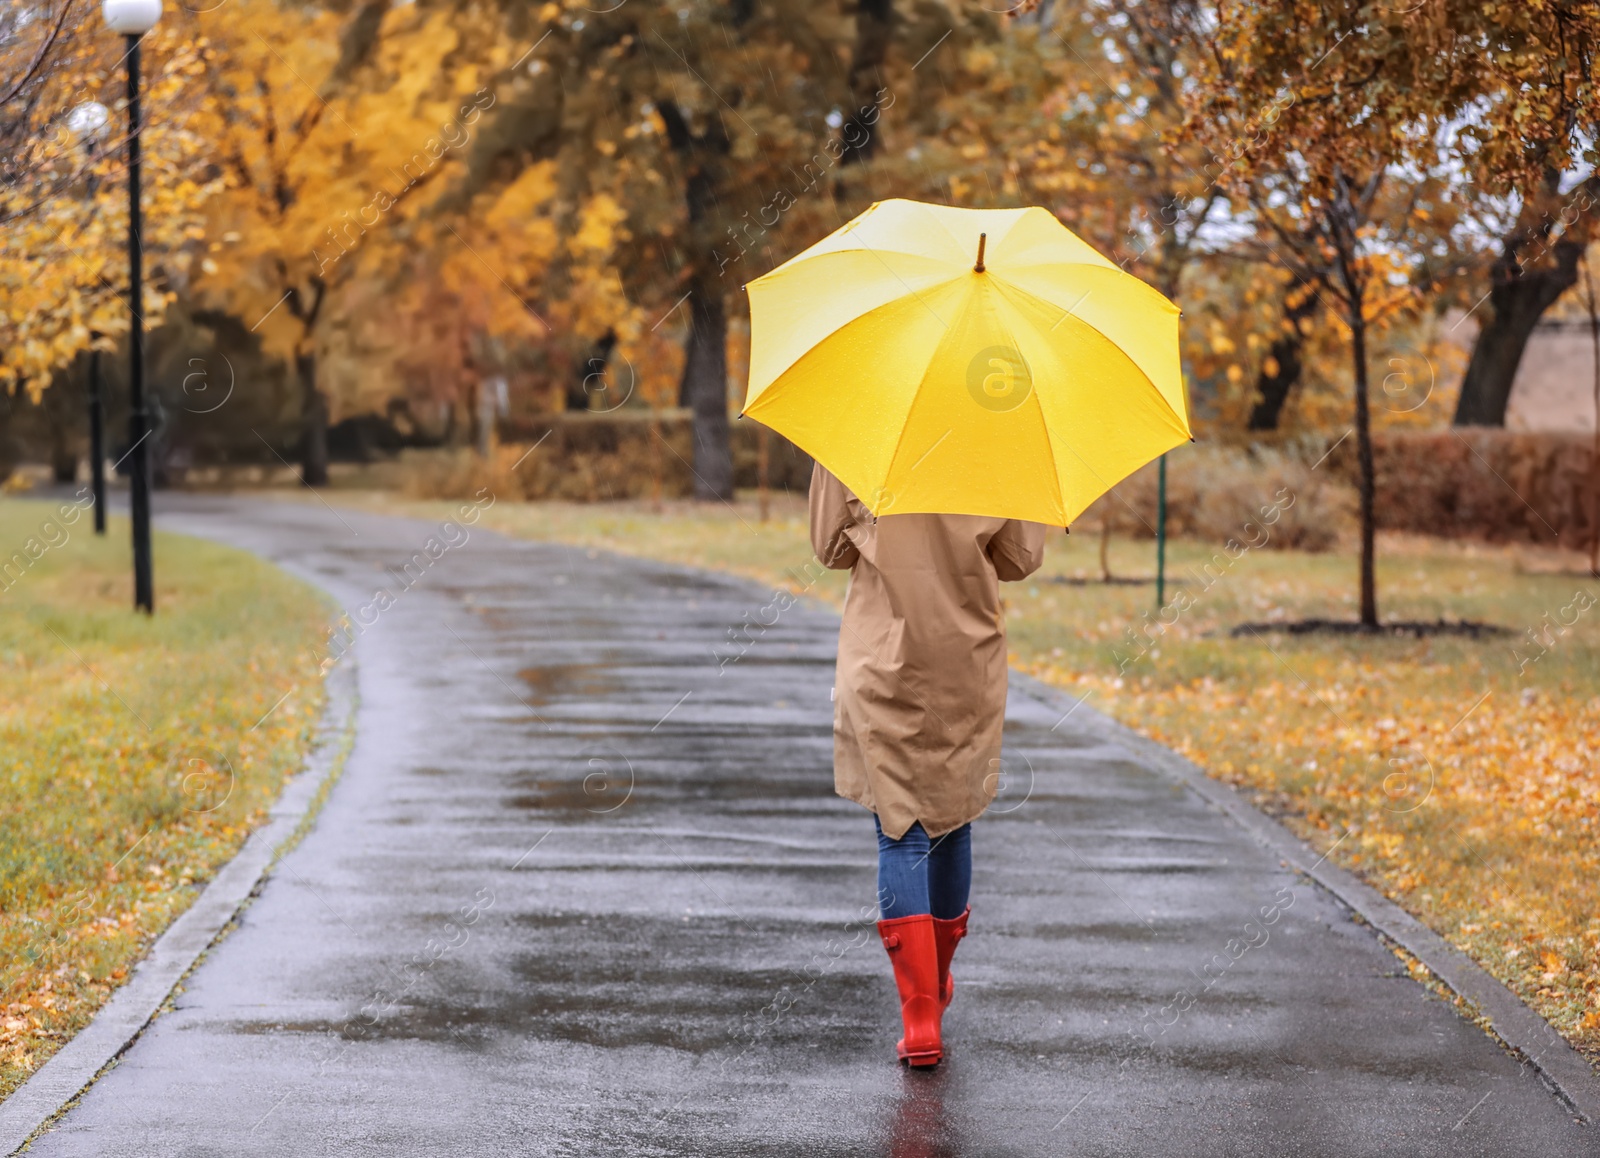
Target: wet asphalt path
(580,892)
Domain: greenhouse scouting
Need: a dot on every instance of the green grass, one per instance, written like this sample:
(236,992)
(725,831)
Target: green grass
(130,757)
(1458,781)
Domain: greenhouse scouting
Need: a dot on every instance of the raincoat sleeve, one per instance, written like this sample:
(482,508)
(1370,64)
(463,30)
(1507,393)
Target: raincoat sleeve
(831,520)
(1016,550)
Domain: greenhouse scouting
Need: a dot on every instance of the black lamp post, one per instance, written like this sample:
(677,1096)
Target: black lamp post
(133,18)
(97,442)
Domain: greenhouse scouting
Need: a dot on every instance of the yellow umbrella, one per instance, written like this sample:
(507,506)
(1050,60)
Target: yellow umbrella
(966,361)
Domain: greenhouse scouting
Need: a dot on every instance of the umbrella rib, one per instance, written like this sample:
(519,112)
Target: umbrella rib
(902,280)
(1010,287)
(1050,446)
(1007,287)
(803,258)
(1109,488)
(778,377)
(940,221)
(1116,274)
(994,238)
(900,438)
(1038,408)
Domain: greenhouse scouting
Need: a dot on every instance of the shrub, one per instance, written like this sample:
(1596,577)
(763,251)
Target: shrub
(1214,492)
(594,458)
(1476,482)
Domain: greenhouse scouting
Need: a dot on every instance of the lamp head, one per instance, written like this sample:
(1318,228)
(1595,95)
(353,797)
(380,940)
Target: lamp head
(131,17)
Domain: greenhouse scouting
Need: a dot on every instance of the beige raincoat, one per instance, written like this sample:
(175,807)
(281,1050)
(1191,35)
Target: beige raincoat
(920,693)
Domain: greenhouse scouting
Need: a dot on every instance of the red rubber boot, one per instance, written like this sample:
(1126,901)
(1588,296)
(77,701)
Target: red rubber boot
(946,934)
(910,942)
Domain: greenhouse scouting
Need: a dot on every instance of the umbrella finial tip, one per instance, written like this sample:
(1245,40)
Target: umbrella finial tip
(982,238)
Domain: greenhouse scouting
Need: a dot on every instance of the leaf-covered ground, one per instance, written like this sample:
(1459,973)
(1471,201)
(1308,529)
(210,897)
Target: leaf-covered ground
(135,754)
(1457,775)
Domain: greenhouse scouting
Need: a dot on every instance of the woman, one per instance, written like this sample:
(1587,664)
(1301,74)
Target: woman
(919,700)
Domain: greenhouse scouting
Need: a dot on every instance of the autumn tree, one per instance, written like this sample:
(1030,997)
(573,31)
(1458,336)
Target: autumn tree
(1145,68)
(1523,75)
(1329,121)
(705,124)
(46,52)
(1134,62)
(639,165)
(332,137)
(1147,55)
(1093,130)
(63,198)
(726,136)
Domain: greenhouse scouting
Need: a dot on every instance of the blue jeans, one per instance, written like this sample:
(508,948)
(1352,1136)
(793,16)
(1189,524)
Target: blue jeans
(916,875)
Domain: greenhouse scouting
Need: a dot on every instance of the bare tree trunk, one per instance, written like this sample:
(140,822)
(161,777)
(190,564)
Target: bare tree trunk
(487,395)
(705,391)
(1105,545)
(10,448)
(359,37)
(1594,453)
(589,385)
(1272,389)
(1518,298)
(1358,353)
(305,303)
(704,386)
(61,416)
(655,459)
(474,392)
(314,419)
(874,27)
(763,455)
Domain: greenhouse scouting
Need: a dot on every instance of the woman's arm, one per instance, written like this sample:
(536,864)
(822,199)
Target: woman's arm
(830,520)
(1017,549)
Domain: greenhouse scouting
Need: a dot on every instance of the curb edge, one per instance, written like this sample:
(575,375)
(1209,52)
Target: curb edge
(119,1022)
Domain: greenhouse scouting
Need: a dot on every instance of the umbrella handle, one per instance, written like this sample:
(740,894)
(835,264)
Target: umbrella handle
(982,237)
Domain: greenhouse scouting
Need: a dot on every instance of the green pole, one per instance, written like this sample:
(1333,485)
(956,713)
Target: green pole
(1161,535)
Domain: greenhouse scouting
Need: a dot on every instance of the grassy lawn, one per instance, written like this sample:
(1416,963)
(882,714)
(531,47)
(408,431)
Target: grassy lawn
(1449,773)
(133,767)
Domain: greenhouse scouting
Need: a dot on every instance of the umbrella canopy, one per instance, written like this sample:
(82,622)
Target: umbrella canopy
(966,361)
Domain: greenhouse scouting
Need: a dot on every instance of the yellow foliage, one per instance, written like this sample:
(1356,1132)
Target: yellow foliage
(63,266)
(326,178)
(598,226)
